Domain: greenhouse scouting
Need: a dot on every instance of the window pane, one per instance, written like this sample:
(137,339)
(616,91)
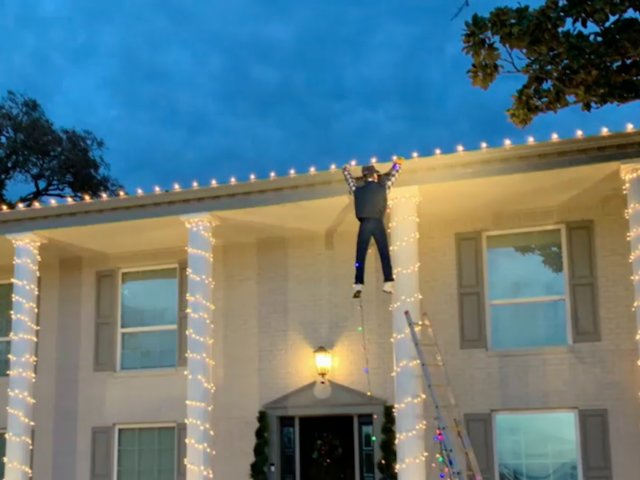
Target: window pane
(146,453)
(5,348)
(6,306)
(149,298)
(528,325)
(149,349)
(524,265)
(537,446)
(3,449)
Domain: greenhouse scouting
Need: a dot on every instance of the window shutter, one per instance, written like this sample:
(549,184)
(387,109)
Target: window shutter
(181,450)
(106,321)
(473,332)
(101,453)
(182,314)
(582,280)
(596,450)
(480,431)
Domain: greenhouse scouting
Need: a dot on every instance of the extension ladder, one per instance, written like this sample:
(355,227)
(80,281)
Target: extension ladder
(455,447)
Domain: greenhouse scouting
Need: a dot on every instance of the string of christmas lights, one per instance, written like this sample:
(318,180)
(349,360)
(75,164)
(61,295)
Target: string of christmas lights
(631,177)
(365,350)
(200,386)
(22,376)
(409,406)
(139,192)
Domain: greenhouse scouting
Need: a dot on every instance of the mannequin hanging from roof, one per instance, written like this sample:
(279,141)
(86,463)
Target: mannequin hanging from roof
(370,194)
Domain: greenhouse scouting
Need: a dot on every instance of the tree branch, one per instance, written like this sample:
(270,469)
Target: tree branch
(461,8)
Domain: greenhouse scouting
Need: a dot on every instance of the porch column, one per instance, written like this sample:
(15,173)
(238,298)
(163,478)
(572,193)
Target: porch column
(22,357)
(200,386)
(631,176)
(408,381)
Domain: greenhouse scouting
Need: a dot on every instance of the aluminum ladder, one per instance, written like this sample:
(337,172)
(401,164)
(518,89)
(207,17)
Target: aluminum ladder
(456,448)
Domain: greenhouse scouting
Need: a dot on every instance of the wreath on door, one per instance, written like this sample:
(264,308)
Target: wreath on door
(326,457)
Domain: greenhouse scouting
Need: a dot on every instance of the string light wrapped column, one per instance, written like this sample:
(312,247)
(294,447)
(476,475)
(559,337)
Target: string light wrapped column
(631,177)
(409,397)
(199,373)
(22,357)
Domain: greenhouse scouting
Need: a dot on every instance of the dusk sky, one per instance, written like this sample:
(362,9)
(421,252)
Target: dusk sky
(196,89)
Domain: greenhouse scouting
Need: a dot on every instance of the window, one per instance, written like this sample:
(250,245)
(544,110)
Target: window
(537,446)
(145,453)
(366,443)
(6,291)
(526,289)
(287,448)
(148,318)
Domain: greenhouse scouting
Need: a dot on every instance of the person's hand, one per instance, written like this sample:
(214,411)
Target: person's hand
(346,167)
(398,160)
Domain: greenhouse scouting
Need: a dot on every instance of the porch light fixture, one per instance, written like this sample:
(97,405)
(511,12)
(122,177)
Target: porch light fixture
(323,361)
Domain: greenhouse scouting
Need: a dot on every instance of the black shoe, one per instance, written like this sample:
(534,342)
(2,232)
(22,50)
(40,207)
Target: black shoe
(357,294)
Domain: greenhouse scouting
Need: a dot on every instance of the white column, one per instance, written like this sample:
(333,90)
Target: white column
(410,426)
(631,176)
(23,357)
(200,386)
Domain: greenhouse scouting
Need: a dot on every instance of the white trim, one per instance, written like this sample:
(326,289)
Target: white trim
(542,411)
(140,426)
(516,301)
(121,330)
(566,297)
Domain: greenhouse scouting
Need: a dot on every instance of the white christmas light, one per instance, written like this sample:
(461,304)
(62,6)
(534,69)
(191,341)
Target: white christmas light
(86,197)
(531,140)
(555,137)
(52,202)
(374,160)
(437,151)
(156,189)
(292,172)
(579,133)
(604,131)
(272,175)
(483,145)
(332,167)
(312,170)
(139,192)
(507,142)
(252,177)
(199,340)
(104,196)
(214,182)
(22,357)
(121,194)
(415,154)
(232,180)
(353,162)
(629,127)
(176,187)
(195,185)
(460,148)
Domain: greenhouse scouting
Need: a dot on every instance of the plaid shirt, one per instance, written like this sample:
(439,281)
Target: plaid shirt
(388,178)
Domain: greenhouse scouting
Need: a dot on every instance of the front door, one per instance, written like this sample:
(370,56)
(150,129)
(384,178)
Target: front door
(327,448)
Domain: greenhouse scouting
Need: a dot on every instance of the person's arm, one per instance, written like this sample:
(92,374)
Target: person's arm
(391,176)
(351,182)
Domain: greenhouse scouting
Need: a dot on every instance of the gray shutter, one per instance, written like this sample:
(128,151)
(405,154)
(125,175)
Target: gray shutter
(582,280)
(106,321)
(596,450)
(480,431)
(182,314)
(101,453)
(473,332)
(181,451)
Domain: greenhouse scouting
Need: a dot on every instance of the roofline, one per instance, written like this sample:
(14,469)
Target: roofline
(618,147)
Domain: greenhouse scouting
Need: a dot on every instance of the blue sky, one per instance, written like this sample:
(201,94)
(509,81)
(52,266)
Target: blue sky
(197,89)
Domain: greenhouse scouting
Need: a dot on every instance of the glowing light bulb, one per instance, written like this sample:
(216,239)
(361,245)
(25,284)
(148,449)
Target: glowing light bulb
(353,162)
(139,191)
(52,202)
(232,180)
(70,200)
(176,187)
(332,167)
(120,193)
(629,127)
(292,172)
(415,154)
(507,142)
(579,133)
(437,151)
(459,148)
(86,197)
(36,204)
(104,195)
(375,159)
(555,137)
(214,182)
(195,184)
(272,175)
(312,170)
(484,145)
(252,177)
(604,131)
(156,189)
(531,140)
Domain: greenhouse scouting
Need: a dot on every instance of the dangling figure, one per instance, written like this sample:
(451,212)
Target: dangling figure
(370,194)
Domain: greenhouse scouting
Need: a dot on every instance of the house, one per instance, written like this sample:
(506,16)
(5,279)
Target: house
(163,323)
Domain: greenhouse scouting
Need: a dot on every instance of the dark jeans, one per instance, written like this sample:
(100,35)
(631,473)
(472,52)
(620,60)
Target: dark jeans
(372,227)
